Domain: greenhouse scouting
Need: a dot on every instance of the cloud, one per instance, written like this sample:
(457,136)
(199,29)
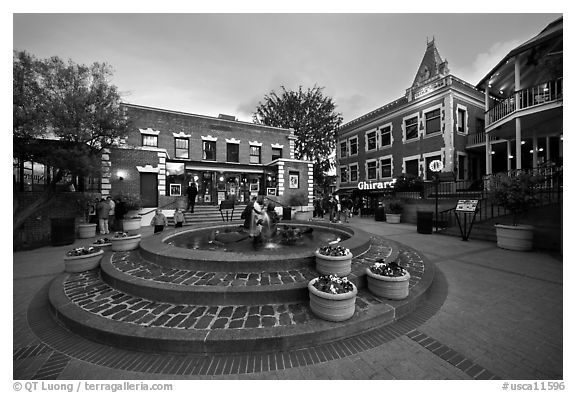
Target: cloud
(485,61)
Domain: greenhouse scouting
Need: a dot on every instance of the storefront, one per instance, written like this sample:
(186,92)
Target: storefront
(367,196)
(217,184)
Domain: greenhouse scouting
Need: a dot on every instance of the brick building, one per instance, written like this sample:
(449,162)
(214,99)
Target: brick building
(227,159)
(434,120)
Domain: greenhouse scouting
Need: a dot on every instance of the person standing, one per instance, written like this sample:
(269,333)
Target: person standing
(192,191)
(102,211)
(345,209)
(159,221)
(111,214)
(178,218)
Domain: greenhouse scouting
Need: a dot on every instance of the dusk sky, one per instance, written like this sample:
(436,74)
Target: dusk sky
(225,63)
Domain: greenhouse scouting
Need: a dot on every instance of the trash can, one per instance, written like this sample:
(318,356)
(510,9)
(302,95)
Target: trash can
(424,222)
(62,231)
(379,214)
(286,213)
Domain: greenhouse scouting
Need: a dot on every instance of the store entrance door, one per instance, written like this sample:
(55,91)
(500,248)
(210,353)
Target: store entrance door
(149,189)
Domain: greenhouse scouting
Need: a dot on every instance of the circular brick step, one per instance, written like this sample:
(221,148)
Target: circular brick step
(88,306)
(130,273)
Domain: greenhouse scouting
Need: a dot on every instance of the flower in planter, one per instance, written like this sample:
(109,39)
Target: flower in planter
(81,251)
(392,269)
(334,251)
(333,284)
(104,240)
(120,234)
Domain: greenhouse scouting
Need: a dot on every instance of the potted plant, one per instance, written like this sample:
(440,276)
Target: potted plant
(299,203)
(332,298)
(102,243)
(122,241)
(82,259)
(394,211)
(388,280)
(516,194)
(335,260)
(127,211)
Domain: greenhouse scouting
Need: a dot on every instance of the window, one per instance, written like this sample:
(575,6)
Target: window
(354,146)
(461,170)
(209,150)
(232,152)
(255,154)
(371,170)
(461,120)
(411,126)
(371,140)
(385,168)
(385,136)
(276,153)
(432,121)
(354,172)
(343,149)
(343,174)
(150,140)
(181,145)
(412,167)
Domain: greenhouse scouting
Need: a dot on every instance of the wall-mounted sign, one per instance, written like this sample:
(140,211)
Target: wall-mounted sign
(270,191)
(293,180)
(175,190)
(375,185)
(468,206)
(436,166)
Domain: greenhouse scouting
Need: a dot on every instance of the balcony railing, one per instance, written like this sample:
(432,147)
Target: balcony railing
(478,139)
(528,98)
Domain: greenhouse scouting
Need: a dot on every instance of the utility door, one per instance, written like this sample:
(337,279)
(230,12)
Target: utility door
(149,189)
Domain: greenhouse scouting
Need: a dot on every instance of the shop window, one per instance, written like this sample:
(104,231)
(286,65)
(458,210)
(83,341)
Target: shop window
(353,146)
(150,140)
(209,150)
(181,145)
(386,168)
(276,153)
(255,154)
(232,152)
(343,174)
(411,126)
(371,140)
(343,149)
(371,170)
(354,172)
(461,120)
(385,136)
(432,121)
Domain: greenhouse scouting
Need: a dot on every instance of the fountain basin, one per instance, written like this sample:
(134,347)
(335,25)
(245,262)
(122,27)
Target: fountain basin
(157,249)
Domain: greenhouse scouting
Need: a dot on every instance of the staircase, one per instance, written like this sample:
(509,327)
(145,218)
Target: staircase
(209,214)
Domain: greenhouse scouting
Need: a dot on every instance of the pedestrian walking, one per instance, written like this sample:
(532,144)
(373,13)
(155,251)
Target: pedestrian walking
(102,211)
(159,221)
(112,213)
(191,191)
(179,219)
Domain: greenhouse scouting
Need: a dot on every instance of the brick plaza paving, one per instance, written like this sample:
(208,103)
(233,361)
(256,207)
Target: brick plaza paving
(500,317)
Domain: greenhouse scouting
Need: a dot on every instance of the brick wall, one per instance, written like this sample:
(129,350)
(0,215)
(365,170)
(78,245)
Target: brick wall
(36,230)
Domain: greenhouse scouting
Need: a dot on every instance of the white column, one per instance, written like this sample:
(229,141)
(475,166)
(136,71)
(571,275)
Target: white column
(517,86)
(486,142)
(508,154)
(534,150)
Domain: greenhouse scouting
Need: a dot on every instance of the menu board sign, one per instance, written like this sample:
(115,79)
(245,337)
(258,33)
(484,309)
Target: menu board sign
(467,205)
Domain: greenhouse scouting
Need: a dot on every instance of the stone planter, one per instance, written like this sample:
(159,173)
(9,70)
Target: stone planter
(125,243)
(332,307)
(86,231)
(335,265)
(395,288)
(102,246)
(82,263)
(131,224)
(515,237)
(392,218)
(303,213)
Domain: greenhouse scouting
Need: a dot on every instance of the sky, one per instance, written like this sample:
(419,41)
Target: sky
(213,63)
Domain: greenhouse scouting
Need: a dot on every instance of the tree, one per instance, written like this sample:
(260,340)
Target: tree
(313,118)
(64,114)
